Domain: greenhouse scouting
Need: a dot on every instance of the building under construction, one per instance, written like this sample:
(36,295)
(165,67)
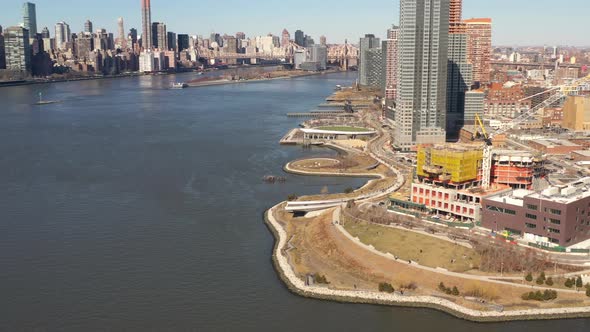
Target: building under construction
(516,169)
(448,178)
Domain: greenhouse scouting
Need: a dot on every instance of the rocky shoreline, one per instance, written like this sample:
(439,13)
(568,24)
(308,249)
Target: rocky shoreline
(297,286)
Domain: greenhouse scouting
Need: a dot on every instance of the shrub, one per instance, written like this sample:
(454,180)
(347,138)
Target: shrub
(292,197)
(320,279)
(410,286)
(386,287)
(542,276)
(588,291)
(442,287)
(348,190)
(455,291)
(529,277)
(549,281)
(569,283)
(540,281)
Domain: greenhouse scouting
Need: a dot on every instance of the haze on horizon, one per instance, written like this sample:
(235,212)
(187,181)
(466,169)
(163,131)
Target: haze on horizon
(516,23)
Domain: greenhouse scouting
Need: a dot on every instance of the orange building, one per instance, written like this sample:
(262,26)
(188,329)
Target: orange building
(479,47)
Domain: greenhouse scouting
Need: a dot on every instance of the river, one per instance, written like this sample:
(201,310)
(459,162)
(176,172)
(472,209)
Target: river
(131,206)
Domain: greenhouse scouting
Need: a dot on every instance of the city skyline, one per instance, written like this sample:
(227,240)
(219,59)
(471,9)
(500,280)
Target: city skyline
(228,19)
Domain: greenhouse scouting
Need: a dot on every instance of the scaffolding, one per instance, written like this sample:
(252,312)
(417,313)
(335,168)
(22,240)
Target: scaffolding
(455,163)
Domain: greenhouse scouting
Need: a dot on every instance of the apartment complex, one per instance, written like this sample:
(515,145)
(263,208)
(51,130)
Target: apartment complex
(391,63)
(420,115)
(479,50)
(505,100)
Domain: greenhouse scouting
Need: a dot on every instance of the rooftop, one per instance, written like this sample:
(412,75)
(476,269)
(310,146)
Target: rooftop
(585,153)
(567,193)
(551,143)
(514,197)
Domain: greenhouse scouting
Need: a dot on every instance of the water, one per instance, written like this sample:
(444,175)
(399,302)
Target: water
(130,206)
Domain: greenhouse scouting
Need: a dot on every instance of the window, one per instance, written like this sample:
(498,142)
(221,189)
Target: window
(531,226)
(531,216)
(532,207)
(555,221)
(556,241)
(555,231)
(501,210)
(555,211)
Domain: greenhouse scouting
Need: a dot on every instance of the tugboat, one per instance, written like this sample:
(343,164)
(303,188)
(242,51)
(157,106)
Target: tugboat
(179,85)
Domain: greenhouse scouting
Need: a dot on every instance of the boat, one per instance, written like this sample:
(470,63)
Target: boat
(44,102)
(179,85)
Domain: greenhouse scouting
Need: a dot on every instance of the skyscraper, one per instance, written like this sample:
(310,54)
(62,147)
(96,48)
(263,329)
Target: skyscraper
(183,42)
(286,38)
(391,63)
(62,35)
(146,24)
(18,49)
(319,54)
(88,26)
(45,33)
(422,73)
(121,40)
(171,41)
(30,18)
(159,36)
(132,36)
(479,50)
(459,71)
(299,38)
(365,44)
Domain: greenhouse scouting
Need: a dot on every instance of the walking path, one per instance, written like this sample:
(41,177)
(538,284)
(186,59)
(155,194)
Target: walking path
(297,285)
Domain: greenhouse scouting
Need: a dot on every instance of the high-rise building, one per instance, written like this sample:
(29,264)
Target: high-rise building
(30,18)
(366,43)
(240,36)
(323,41)
(299,38)
(18,49)
(391,63)
(183,42)
(159,36)
(121,40)
(2,51)
(101,40)
(319,54)
(420,115)
(146,61)
(45,33)
(479,47)
(286,38)
(132,36)
(146,22)
(308,41)
(474,104)
(374,59)
(171,41)
(230,44)
(459,71)
(84,46)
(62,35)
(88,26)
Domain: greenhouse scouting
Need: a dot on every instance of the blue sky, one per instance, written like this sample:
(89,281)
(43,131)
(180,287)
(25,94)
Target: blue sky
(516,22)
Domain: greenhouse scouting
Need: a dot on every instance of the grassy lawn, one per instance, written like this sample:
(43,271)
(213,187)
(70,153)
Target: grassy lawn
(407,246)
(345,129)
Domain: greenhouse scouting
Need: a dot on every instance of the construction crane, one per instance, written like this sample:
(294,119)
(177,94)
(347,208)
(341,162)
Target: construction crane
(557,94)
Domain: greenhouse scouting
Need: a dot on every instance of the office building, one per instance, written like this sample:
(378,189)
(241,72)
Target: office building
(84,46)
(88,28)
(479,51)
(2,50)
(374,59)
(146,22)
(171,41)
(557,216)
(319,54)
(474,104)
(299,57)
(391,63)
(30,18)
(45,33)
(183,42)
(230,44)
(420,115)
(366,43)
(159,36)
(132,36)
(240,36)
(63,35)
(18,49)
(146,61)
(299,38)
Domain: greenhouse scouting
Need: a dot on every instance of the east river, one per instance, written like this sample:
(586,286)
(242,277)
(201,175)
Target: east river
(129,206)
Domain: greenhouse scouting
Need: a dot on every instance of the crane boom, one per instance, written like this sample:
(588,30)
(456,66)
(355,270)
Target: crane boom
(560,92)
